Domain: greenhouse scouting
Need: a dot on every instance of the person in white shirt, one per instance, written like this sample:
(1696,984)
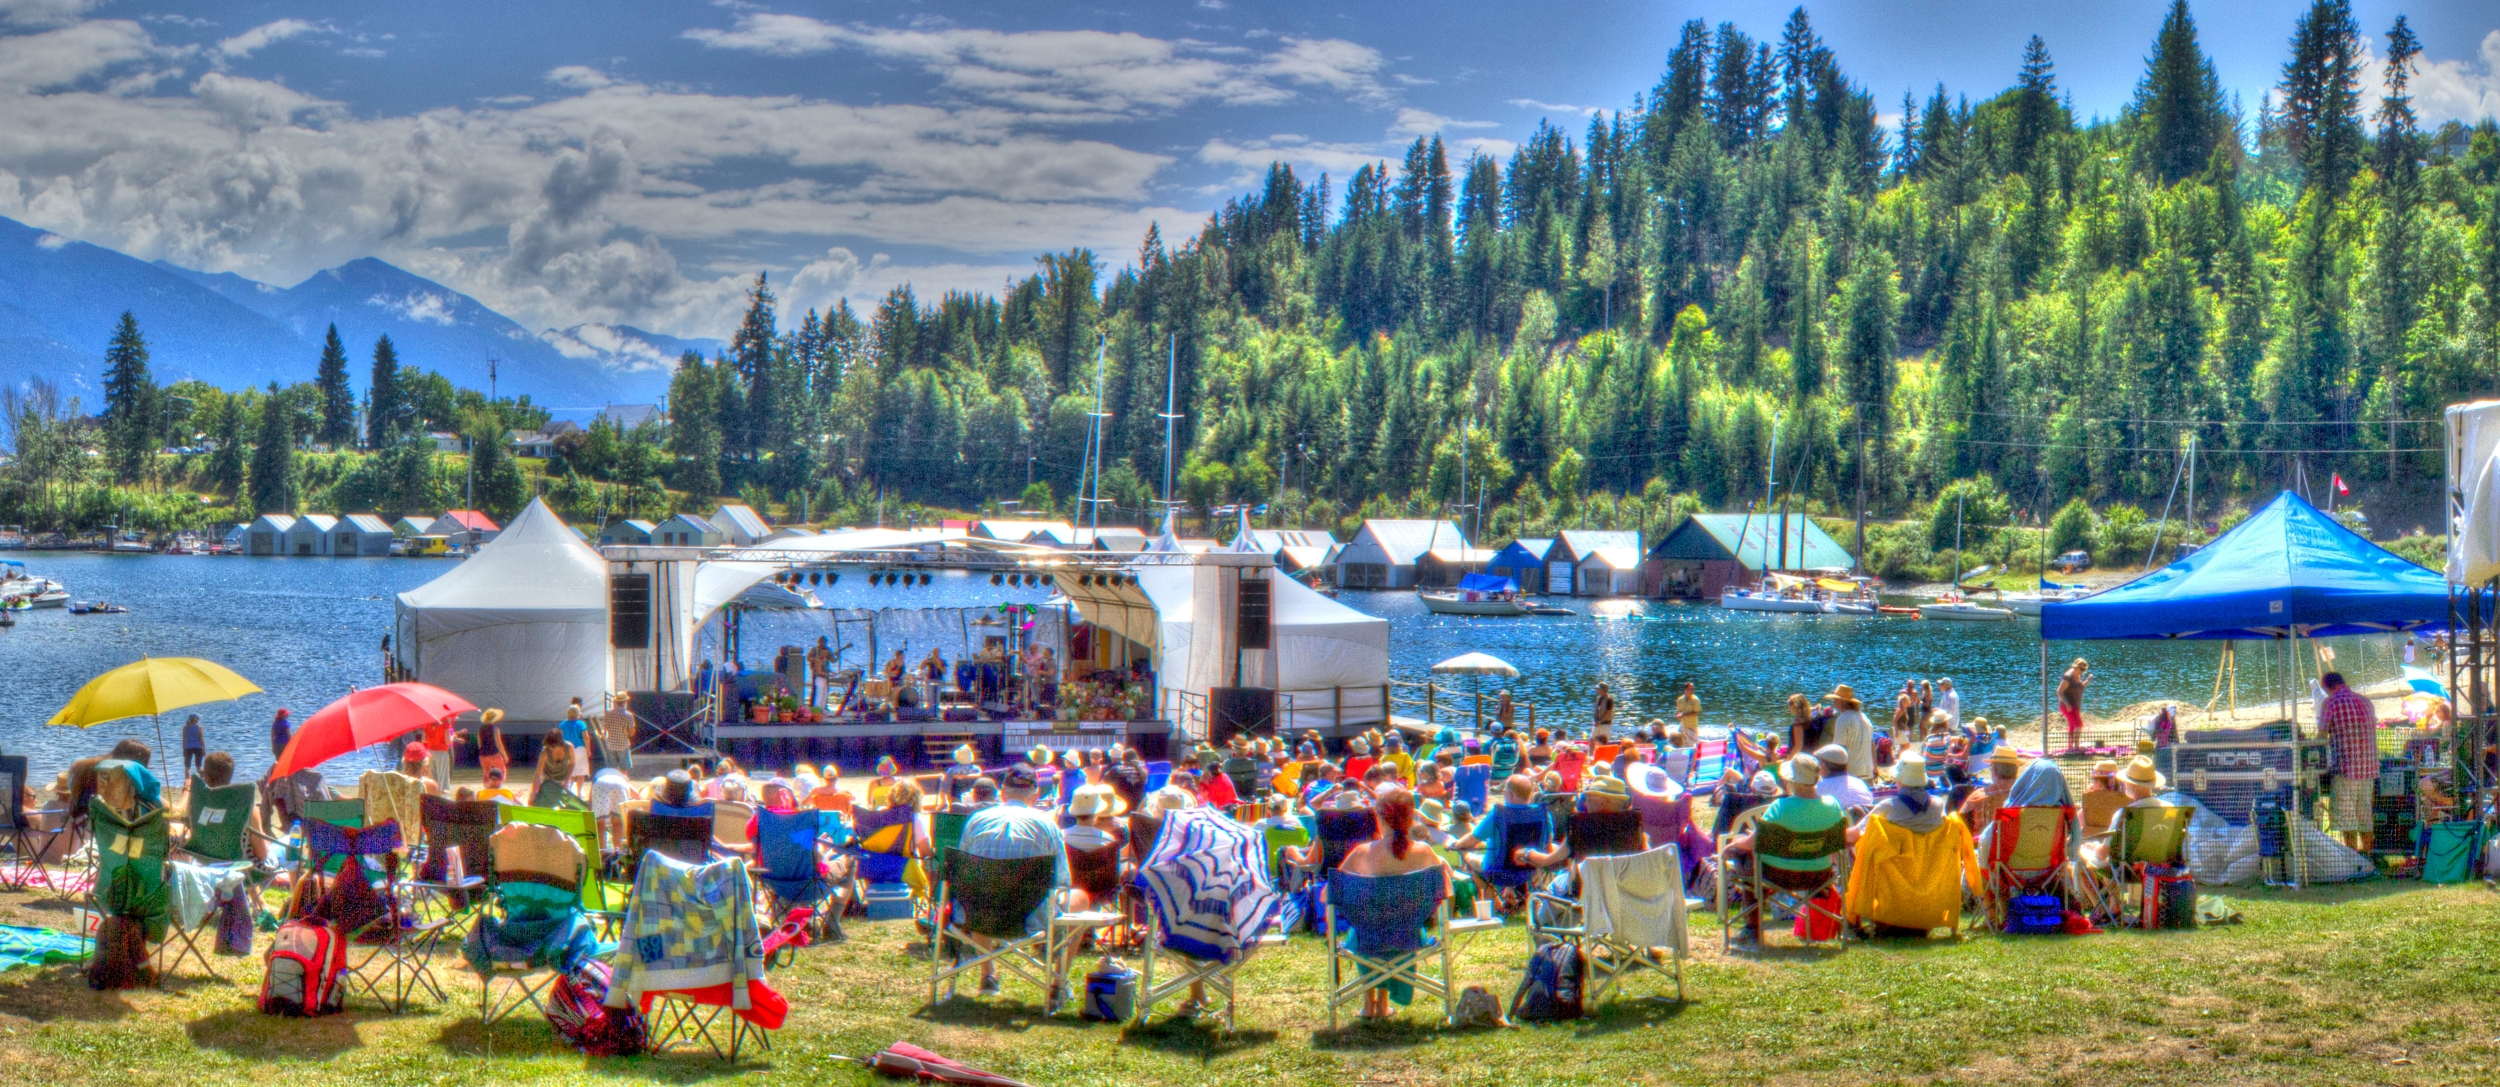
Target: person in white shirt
(1852,731)
(1949,702)
(1839,785)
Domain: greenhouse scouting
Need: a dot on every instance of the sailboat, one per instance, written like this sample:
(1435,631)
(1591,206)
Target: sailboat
(1953,605)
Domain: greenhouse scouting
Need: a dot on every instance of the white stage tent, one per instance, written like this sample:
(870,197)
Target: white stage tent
(1329,662)
(521,626)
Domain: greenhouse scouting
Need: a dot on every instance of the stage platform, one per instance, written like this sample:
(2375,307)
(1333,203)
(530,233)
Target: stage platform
(858,744)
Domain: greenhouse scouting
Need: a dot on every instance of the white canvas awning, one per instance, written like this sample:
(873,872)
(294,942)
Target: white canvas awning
(521,626)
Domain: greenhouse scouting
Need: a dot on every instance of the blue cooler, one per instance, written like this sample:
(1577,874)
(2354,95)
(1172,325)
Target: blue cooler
(888,902)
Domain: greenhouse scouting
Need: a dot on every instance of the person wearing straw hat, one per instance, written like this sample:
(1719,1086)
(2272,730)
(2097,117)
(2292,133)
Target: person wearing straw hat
(961,772)
(1852,731)
(1979,810)
(491,752)
(1601,793)
(1094,815)
(2102,798)
(1800,811)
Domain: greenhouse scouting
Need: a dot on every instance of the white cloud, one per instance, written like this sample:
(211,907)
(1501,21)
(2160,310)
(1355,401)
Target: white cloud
(51,241)
(254,40)
(2452,90)
(43,12)
(59,58)
(1557,107)
(579,77)
(423,306)
(1416,122)
(1075,72)
(613,347)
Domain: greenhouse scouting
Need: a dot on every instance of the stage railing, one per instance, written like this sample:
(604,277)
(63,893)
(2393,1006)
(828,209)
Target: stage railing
(1329,707)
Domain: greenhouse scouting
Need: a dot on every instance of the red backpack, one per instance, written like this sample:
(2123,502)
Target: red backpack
(301,971)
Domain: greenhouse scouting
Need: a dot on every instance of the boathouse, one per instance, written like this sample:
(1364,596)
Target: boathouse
(1295,550)
(626,532)
(360,536)
(464,528)
(1384,552)
(267,534)
(1589,562)
(309,537)
(739,525)
(1711,551)
(687,530)
(1522,561)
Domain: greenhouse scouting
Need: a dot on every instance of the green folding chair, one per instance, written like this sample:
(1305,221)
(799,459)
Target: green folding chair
(221,821)
(601,897)
(129,882)
(529,897)
(2142,836)
(946,831)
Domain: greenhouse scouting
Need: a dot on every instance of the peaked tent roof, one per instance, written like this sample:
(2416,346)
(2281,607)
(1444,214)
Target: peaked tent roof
(536,565)
(2287,569)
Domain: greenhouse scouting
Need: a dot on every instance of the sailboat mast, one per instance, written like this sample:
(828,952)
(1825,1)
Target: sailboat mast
(1171,409)
(1770,484)
(1093,454)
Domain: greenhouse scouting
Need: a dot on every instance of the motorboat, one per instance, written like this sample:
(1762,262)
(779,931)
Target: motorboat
(100,607)
(1477,595)
(1772,600)
(1954,606)
(2028,605)
(21,591)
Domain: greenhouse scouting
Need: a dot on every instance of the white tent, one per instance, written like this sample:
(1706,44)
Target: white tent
(1332,659)
(2474,520)
(522,625)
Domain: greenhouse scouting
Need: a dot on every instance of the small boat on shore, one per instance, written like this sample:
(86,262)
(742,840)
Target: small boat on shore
(1953,606)
(2028,604)
(1477,595)
(1771,600)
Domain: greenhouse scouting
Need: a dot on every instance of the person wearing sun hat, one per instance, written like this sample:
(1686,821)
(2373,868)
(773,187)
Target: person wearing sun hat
(1667,813)
(1837,783)
(962,771)
(1912,864)
(2102,799)
(1979,810)
(1852,731)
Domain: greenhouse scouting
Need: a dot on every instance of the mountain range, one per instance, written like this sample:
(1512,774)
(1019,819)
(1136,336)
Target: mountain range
(60,299)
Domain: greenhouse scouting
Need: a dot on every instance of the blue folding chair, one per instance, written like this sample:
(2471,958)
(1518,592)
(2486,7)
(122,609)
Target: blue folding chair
(1157,775)
(1524,826)
(1474,785)
(790,869)
(1389,927)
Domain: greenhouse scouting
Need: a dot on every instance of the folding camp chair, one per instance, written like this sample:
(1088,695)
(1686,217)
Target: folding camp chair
(1473,784)
(1629,907)
(604,900)
(1569,764)
(882,845)
(2032,853)
(1800,897)
(30,844)
(984,900)
(533,877)
(946,831)
(684,838)
(400,962)
(1524,826)
(679,1018)
(1209,904)
(463,825)
(789,868)
(1389,926)
(729,823)
(128,880)
(220,821)
(1603,833)
(2144,835)
(1097,873)
(1709,765)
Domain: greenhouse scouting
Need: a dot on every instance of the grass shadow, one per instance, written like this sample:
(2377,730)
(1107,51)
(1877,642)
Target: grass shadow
(1366,1036)
(1621,1013)
(994,1014)
(60,993)
(245,1032)
(526,1032)
(1204,1039)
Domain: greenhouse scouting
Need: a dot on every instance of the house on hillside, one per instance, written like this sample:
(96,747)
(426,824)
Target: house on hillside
(625,417)
(688,530)
(740,525)
(1522,561)
(309,537)
(447,442)
(1591,562)
(1384,552)
(266,535)
(1711,552)
(464,528)
(360,536)
(533,443)
(627,532)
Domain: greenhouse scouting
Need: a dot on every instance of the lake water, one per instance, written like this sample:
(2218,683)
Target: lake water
(309,629)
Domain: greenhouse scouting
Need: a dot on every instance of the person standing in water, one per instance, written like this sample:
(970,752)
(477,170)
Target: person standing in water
(2070,700)
(1603,724)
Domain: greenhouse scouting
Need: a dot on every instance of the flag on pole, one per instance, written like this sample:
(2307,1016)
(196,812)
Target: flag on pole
(2339,484)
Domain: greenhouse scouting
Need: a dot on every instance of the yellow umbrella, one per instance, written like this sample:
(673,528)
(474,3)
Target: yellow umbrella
(151,686)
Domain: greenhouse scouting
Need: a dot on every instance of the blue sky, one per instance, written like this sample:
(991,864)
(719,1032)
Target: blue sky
(634,163)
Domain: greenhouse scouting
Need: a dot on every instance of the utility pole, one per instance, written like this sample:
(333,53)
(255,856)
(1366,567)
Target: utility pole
(1093,447)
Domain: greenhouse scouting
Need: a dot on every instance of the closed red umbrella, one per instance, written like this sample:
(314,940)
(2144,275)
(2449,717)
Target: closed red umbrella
(364,718)
(908,1061)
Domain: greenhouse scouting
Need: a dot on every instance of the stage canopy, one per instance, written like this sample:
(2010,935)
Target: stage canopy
(2287,569)
(522,625)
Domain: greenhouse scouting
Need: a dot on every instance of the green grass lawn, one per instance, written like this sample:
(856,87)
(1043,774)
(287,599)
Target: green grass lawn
(2380,983)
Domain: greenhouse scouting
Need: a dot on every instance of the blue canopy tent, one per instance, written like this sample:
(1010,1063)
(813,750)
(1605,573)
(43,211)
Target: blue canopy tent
(2287,572)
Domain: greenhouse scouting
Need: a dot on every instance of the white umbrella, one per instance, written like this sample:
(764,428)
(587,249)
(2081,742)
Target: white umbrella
(1476,664)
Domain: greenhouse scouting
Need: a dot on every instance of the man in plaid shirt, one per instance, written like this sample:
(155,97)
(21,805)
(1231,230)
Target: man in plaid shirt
(2350,726)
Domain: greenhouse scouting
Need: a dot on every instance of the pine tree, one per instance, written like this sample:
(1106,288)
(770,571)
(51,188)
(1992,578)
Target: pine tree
(130,403)
(386,406)
(745,422)
(2036,112)
(338,401)
(694,428)
(2400,185)
(501,491)
(273,458)
(2322,96)
(2178,103)
(225,462)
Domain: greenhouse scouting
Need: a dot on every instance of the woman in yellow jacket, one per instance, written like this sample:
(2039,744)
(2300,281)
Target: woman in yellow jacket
(1912,861)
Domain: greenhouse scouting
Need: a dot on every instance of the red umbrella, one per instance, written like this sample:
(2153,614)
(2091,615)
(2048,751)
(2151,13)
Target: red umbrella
(909,1061)
(364,718)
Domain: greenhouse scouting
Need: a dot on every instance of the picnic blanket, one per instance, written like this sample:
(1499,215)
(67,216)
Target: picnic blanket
(24,946)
